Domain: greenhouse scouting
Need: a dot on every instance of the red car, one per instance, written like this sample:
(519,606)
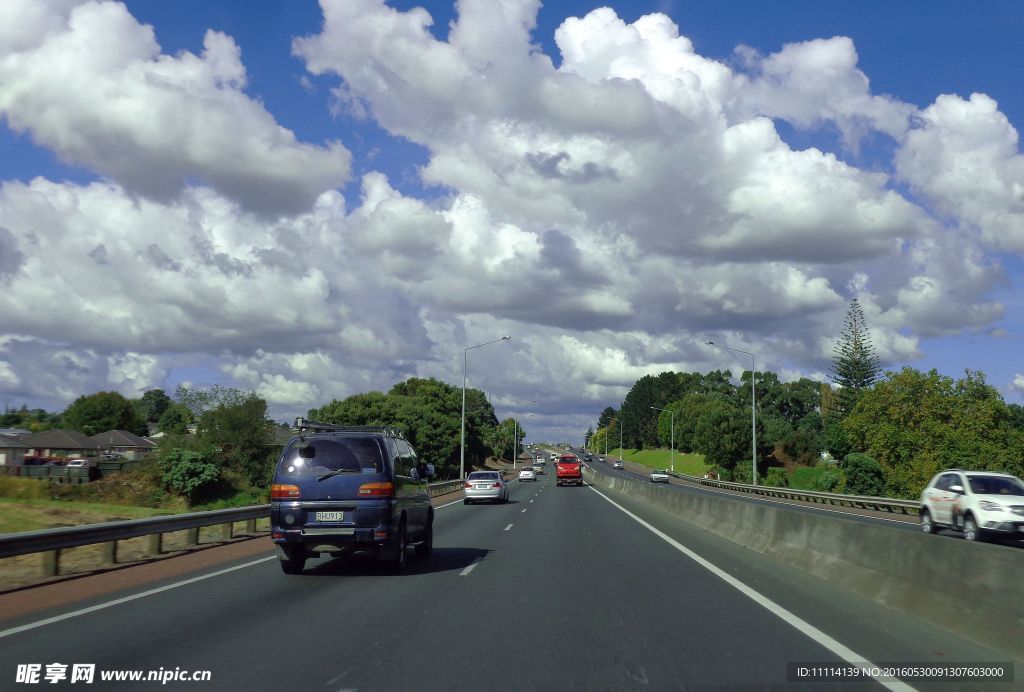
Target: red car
(569,470)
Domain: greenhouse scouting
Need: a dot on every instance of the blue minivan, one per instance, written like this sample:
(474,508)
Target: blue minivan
(342,489)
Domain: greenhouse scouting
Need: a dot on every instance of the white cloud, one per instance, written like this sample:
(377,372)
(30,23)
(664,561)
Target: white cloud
(964,157)
(1018,382)
(89,82)
(816,82)
(612,213)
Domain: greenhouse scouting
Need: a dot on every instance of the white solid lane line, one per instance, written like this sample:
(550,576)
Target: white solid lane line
(470,566)
(126,599)
(507,527)
(808,629)
(523,511)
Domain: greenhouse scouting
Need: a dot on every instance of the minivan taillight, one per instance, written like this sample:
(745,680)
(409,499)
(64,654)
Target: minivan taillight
(386,489)
(284,492)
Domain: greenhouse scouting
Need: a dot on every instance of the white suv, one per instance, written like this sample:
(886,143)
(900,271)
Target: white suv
(974,502)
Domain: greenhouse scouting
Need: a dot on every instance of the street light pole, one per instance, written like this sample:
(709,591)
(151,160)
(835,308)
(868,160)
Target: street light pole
(753,407)
(462,440)
(672,414)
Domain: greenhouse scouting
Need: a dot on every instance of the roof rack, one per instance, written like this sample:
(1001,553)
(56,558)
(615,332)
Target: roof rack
(304,424)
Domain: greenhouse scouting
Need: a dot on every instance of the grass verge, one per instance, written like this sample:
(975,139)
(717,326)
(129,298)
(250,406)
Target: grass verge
(691,463)
(30,515)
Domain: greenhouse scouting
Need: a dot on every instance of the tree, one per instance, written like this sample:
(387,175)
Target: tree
(239,430)
(854,363)
(199,401)
(864,475)
(174,420)
(722,434)
(152,405)
(100,412)
(915,424)
(429,412)
(605,417)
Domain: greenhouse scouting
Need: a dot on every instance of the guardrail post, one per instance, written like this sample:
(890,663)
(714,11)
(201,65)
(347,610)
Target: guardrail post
(250,526)
(156,543)
(51,563)
(109,556)
(227,531)
(192,536)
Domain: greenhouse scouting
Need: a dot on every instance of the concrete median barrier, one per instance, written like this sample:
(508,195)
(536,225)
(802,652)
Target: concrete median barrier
(974,590)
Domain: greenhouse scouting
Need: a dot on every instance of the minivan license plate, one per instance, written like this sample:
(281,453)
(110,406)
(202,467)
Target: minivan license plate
(330,516)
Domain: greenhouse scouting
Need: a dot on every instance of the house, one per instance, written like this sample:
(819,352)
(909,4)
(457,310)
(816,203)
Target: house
(123,443)
(12,452)
(58,443)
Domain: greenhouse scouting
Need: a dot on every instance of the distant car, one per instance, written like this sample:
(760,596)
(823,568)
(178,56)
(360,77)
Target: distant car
(977,503)
(527,475)
(659,476)
(617,464)
(538,469)
(483,486)
(79,464)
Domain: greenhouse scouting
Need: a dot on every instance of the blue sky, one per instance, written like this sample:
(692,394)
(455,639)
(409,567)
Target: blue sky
(770,162)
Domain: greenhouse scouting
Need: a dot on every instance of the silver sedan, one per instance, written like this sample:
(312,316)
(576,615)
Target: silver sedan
(481,486)
(659,476)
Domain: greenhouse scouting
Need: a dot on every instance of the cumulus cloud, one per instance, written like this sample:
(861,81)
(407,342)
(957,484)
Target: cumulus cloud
(90,83)
(611,209)
(964,157)
(1018,383)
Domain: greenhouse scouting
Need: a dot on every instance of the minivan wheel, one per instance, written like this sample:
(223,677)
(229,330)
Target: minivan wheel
(425,548)
(927,526)
(398,563)
(294,562)
(971,531)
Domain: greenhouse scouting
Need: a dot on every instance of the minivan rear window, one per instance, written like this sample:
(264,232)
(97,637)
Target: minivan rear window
(319,456)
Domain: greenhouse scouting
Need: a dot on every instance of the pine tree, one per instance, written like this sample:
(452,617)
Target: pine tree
(855,366)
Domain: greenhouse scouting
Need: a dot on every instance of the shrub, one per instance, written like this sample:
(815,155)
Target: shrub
(805,477)
(776,478)
(864,475)
(186,472)
(830,481)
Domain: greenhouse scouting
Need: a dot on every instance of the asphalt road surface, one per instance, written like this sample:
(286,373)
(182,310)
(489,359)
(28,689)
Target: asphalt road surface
(558,590)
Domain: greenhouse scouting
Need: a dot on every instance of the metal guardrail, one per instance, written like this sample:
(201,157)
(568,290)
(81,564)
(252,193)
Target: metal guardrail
(52,541)
(862,501)
(445,487)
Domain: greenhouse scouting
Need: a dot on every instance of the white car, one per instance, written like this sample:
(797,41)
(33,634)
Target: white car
(978,503)
(659,476)
(616,464)
(527,475)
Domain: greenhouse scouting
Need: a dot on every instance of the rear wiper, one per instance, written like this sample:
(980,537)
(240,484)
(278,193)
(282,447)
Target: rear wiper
(333,473)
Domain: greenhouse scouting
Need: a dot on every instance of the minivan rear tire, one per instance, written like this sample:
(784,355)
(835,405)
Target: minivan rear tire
(398,561)
(294,562)
(425,548)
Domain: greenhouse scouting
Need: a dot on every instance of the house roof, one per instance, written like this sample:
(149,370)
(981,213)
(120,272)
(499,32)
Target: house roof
(14,432)
(119,438)
(58,439)
(11,443)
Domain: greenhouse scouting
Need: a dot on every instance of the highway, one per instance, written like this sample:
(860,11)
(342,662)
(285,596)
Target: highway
(558,590)
(899,522)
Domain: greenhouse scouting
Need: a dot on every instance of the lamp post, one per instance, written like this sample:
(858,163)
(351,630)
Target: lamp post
(753,408)
(462,441)
(673,419)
